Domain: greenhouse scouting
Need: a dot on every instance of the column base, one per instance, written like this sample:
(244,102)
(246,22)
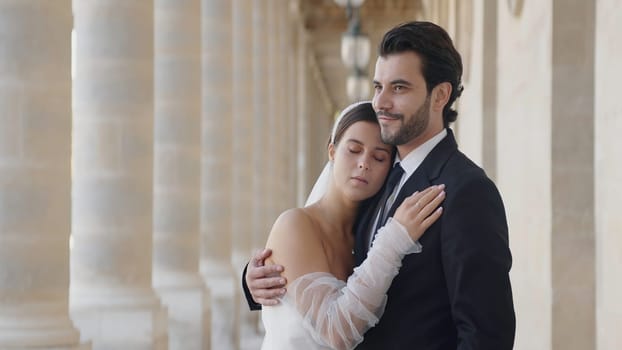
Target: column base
(189,317)
(115,323)
(251,329)
(249,333)
(220,282)
(37,331)
(121,329)
(69,347)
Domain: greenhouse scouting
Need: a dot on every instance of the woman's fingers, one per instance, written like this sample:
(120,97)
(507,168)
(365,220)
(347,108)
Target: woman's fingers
(415,197)
(420,206)
(419,211)
(419,200)
(430,203)
(430,219)
(426,194)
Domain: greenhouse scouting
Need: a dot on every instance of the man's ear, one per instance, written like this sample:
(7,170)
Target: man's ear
(331,151)
(440,96)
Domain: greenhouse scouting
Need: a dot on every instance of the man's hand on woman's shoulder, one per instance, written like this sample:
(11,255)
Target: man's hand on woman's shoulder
(265,281)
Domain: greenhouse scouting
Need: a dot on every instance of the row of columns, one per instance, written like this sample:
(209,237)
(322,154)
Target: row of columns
(178,156)
(540,115)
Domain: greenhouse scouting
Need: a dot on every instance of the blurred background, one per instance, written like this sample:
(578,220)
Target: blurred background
(147,146)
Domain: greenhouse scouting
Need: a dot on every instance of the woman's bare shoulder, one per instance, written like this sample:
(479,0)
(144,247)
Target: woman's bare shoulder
(294,216)
(296,244)
(293,227)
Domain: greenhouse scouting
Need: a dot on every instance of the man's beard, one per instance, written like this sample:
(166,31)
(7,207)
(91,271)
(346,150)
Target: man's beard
(411,128)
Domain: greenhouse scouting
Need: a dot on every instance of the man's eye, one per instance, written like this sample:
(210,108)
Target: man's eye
(379,159)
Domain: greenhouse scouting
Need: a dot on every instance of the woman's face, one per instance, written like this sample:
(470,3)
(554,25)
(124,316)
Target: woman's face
(361,161)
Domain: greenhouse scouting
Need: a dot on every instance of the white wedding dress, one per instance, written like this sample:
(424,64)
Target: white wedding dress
(321,312)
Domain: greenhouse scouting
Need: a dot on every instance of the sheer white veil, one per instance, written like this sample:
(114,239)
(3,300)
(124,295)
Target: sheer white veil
(321,184)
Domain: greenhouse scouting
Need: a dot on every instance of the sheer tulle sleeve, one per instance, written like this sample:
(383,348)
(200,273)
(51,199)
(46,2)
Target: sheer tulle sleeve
(337,314)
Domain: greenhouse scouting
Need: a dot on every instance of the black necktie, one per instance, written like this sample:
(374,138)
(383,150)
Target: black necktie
(394,178)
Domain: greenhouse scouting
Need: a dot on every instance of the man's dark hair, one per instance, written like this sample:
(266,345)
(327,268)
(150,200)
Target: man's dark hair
(440,61)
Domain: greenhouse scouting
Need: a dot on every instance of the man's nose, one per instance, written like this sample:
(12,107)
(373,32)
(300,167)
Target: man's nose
(381,101)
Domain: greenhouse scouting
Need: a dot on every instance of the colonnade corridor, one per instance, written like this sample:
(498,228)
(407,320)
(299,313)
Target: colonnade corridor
(144,161)
(140,169)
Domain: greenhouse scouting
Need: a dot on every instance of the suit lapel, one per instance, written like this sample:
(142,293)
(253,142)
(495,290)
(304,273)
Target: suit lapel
(424,176)
(429,170)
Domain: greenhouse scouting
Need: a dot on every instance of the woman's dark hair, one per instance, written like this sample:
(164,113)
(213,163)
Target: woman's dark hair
(360,112)
(440,61)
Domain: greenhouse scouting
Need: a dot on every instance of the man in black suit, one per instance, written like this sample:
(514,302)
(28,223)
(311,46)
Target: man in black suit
(456,294)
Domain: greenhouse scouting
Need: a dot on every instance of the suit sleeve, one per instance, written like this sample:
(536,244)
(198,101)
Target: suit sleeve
(249,298)
(476,261)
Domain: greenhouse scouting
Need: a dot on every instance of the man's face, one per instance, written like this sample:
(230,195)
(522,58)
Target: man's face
(401,100)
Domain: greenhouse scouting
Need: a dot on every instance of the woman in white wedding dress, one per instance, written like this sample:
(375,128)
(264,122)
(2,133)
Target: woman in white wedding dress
(320,309)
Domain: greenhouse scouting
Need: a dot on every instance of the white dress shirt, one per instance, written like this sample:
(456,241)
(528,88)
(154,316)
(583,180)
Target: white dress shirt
(410,163)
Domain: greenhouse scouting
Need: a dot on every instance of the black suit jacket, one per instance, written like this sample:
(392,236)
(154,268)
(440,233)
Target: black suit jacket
(455,294)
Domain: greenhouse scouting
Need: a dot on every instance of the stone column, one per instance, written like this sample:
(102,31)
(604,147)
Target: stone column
(546,169)
(470,123)
(292,113)
(524,163)
(477,108)
(261,137)
(608,174)
(489,89)
(112,300)
(272,135)
(243,172)
(35,175)
(285,142)
(278,126)
(572,144)
(304,177)
(439,12)
(321,115)
(252,338)
(177,173)
(216,169)
(242,134)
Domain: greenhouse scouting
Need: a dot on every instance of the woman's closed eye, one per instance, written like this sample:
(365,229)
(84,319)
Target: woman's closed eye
(354,150)
(380,158)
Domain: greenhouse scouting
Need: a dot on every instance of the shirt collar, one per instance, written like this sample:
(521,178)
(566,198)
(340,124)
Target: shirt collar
(414,159)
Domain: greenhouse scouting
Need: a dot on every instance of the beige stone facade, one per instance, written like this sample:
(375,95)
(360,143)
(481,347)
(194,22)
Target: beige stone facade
(189,125)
